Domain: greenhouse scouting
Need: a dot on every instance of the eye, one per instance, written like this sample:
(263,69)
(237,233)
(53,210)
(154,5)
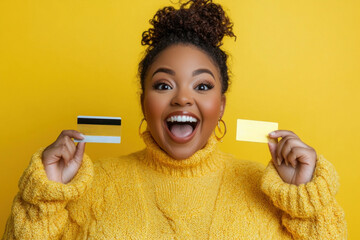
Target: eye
(162,86)
(204,87)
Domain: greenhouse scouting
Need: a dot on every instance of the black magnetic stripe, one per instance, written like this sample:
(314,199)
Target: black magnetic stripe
(99,121)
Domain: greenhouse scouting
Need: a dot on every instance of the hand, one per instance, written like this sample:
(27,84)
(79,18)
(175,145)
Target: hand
(294,160)
(62,159)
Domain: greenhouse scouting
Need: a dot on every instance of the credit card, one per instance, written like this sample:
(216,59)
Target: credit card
(254,131)
(99,129)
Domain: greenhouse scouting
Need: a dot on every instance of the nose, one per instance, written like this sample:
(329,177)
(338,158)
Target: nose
(182,97)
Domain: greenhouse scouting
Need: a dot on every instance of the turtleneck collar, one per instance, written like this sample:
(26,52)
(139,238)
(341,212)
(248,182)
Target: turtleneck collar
(203,161)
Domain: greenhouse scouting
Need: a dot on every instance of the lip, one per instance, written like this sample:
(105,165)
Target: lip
(187,138)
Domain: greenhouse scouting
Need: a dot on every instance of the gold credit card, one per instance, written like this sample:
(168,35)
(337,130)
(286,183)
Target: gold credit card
(99,129)
(254,131)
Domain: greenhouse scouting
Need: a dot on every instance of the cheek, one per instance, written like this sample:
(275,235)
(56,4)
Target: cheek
(153,107)
(211,110)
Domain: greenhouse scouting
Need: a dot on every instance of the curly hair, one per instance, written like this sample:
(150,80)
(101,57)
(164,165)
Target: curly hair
(201,23)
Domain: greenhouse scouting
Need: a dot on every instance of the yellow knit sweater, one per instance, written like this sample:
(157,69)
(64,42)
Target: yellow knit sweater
(148,195)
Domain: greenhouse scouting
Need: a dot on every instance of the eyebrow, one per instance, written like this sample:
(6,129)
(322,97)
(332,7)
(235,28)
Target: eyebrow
(165,70)
(202,70)
(196,72)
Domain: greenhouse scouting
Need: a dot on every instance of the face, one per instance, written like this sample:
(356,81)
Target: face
(182,101)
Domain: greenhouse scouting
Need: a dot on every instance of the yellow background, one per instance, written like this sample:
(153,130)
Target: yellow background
(294,62)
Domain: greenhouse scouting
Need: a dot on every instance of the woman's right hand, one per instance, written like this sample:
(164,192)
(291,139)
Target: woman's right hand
(62,159)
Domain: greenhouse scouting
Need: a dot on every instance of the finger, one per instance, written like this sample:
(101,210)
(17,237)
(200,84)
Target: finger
(75,163)
(66,154)
(272,149)
(272,144)
(293,155)
(303,155)
(65,148)
(72,134)
(279,156)
(282,134)
(70,145)
(288,144)
(79,154)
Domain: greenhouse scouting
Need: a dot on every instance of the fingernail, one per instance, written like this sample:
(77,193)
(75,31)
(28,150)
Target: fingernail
(272,133)
(279,161)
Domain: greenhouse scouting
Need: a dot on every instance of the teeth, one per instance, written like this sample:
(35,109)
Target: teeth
(182,118)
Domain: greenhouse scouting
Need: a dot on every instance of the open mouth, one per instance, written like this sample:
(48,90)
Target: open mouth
(181,127)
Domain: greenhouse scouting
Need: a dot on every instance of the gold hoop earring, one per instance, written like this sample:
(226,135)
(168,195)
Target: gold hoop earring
(219,129)
(141,122)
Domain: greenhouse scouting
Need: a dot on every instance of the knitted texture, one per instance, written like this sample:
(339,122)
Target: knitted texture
(148,195)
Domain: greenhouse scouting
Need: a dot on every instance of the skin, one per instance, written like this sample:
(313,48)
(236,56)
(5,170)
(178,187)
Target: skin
(184,89)
(62,159)
(179,88)
(293,159)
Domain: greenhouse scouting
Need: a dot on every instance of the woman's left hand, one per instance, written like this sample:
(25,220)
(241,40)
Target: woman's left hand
(294,160)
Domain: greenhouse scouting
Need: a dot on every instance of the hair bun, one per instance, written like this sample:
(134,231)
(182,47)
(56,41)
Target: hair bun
(195,20)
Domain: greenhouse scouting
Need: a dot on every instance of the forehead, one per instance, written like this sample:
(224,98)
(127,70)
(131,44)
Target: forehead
(184,58)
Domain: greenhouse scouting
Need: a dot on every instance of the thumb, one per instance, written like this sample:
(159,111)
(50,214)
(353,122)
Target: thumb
(272,144)
(79,153)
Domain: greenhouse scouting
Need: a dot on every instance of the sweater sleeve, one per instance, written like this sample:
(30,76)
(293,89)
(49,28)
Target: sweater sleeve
(310,210)
(39,208)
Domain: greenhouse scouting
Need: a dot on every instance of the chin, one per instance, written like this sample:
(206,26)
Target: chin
(180,151)
(185,150)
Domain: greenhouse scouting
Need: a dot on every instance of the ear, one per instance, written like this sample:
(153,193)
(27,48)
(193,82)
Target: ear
(222,106)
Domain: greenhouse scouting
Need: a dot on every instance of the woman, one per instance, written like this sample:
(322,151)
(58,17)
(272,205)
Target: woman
(181,186)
